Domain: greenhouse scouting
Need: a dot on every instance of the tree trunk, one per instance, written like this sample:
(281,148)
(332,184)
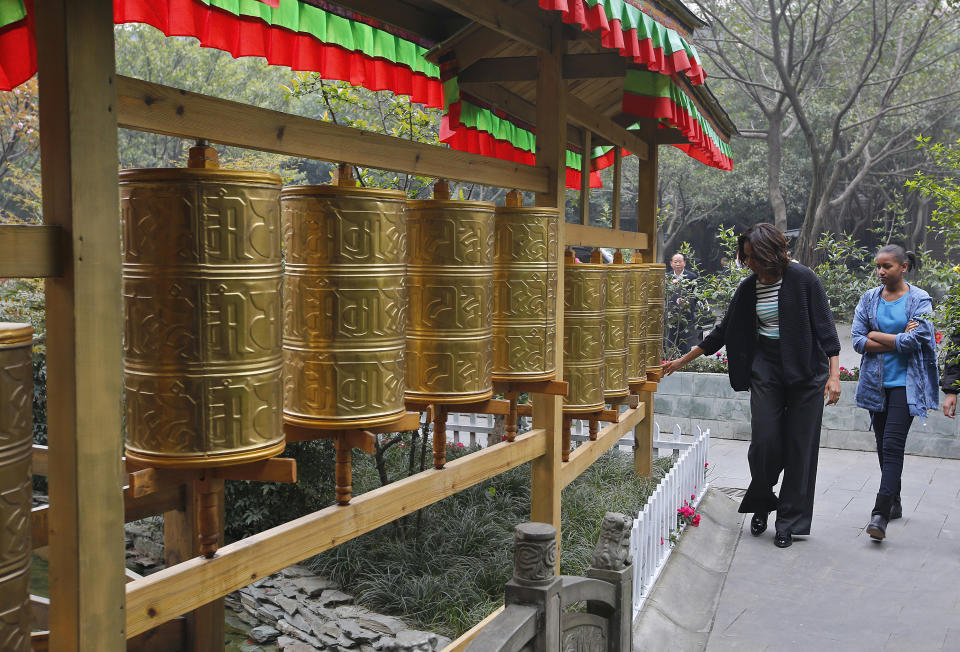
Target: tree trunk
(804,249)
(774,166)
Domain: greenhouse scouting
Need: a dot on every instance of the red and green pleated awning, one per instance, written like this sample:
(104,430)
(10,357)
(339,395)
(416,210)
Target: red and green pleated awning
(650,95)
(637,36)
(290,33)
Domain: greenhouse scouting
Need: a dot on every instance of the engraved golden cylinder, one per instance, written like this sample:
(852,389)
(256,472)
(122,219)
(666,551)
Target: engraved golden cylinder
(16,484)
(450,289)
(525,293)
(655,290)
(201,285)
(584,330)
(637,328)
(616,316)
(344,306)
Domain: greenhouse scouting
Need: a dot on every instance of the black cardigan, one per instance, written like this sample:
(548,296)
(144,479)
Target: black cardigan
(951,372)
(808,335)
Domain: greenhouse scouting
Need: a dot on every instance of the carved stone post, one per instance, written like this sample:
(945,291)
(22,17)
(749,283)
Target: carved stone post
(535,581)
(613,563)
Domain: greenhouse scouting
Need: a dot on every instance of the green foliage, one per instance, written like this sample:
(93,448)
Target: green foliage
(446,571)
(845,273)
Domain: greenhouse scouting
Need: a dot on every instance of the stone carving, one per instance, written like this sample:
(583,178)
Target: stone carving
(584,638)
(534,553)
(613,546)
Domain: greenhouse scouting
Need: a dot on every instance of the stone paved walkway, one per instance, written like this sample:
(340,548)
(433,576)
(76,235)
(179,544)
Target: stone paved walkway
(836,589)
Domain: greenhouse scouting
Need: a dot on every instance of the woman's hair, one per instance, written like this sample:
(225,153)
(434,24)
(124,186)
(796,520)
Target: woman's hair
(901,255)
(768,245)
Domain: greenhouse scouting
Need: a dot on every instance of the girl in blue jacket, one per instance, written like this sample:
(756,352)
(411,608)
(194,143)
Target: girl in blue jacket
(893,331)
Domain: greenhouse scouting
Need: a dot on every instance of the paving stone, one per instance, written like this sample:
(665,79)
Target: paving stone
(357,632)
(314,586)
(263,633)
(334,597)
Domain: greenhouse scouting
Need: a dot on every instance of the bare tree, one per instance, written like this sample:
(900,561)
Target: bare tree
(846,73)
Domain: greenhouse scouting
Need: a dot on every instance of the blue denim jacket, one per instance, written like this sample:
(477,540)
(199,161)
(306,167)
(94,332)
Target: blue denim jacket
(922,381)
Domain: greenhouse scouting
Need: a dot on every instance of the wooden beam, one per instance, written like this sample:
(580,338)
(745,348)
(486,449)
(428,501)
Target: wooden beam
(599,236)
(40,528)
(647,204)
(521,23)
(31,251)
(589,118)
(643,439)
(545,498)
(649,129)
(195,582)
(590,451)
(399,14)
(469,45)
(617,185)
(461,643)
(78,145)
(40,461)
(585,178)
(160,109)
(40,611)
(575,66)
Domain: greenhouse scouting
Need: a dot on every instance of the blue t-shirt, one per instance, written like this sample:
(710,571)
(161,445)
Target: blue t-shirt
(892,319)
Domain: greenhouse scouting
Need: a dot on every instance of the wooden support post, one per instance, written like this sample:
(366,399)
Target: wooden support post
(344,470)
(594,429)
(551,155)
(181,541)
(617,186)
(209,526)
(585,178)
(643,438)
(567,426)
(439,436)
(647,203)
(512,416)
(78,143)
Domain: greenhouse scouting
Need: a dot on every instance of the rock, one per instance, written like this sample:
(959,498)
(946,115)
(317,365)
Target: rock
(333,597)
(288,605)
(380,623)
(263,633)
(265,582)
(249,601)
(289,589)
(295,571)
(411,640)
(290,630)
(442,642)
(356,632)
(297,646)
(351,611)
(386,644)
(298,621)
(248,618)
(269,613)
(317,608)
(314,586)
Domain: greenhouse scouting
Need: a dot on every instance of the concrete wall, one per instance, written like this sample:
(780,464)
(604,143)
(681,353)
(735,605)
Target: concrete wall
(707,400)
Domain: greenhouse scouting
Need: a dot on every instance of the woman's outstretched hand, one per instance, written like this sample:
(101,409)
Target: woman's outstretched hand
(673,365)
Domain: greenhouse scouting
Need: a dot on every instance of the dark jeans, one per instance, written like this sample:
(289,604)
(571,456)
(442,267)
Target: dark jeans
(785,437)
(891,427)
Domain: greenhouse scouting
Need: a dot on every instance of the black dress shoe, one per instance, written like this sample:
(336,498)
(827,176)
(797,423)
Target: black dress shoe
(783,540)
(896,510)
(758,524)
(878,527)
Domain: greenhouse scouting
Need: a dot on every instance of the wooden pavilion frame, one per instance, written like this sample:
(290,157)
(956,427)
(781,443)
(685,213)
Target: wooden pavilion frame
(513,55)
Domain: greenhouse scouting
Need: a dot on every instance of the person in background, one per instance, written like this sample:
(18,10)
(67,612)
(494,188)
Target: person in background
(893,331)
(950,382)
(681,313)
(783,346)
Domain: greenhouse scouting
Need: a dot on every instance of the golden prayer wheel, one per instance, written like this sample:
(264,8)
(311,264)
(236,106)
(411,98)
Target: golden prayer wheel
(656,281)
(201,284)
(16,484)
(584,300)
(450,288)
(616,315)
(525,293)
(344,317)
(637,328)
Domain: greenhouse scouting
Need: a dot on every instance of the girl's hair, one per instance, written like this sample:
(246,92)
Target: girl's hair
(901,255)
(768,245)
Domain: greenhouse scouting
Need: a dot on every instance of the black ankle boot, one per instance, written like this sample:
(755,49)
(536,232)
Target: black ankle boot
(896,511)
(877,529)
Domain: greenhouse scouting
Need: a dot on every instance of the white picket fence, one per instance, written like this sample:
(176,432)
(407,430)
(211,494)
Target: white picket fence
(474,428)
(650,539)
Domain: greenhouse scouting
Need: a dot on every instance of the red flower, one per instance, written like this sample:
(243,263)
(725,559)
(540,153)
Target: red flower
(696,521)
(939,336)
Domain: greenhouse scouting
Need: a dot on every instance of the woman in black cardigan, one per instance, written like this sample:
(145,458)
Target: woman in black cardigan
(782,345)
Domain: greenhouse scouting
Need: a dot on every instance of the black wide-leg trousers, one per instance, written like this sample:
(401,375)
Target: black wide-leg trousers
(785,437)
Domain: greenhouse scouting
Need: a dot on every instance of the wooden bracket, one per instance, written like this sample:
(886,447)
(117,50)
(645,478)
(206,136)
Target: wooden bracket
(655,376)
(550,387)
(647,386)
(407,421)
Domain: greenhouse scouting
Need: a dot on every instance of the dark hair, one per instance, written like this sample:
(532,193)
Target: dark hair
(768,244)
(902,256)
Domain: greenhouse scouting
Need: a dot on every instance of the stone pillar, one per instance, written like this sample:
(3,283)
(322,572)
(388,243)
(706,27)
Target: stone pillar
(613,563)
(535,581)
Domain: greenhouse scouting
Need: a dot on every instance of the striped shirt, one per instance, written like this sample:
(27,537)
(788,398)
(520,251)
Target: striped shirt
(768,309)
